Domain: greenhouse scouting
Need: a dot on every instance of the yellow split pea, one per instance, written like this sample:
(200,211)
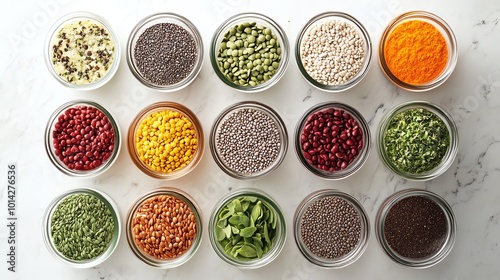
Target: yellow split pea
(166,141)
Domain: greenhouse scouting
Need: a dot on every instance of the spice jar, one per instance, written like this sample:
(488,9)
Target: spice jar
(247,228)
(249,52)
(418,51)
(164,227)
(333,51)
(248,140)
(75,217)
(416,228)
(165,140)
(332,140)
(331,228)
(175,57)
(428,146)
(82,139)
(82,51)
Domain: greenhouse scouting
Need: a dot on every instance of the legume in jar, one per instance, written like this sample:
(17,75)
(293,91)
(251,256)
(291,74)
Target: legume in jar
(164,227)
(166,141)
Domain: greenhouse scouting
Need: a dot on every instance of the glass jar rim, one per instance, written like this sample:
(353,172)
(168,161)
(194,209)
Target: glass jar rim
(165,17)
(158,107)
(255,106)
(50,150)
(71,17)
(269,23)
(443,28)
(110,204)
(447,159)
(358,162)
(280,237)
(195,209)
(359,29)
(344,260)
(431,260)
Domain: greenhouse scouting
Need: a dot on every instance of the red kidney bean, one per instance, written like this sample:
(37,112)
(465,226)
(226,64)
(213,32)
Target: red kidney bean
(331,139)
(83,138)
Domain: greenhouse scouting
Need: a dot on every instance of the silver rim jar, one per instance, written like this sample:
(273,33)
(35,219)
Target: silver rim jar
(443,244)
(264,22)
(49,240)
(49,139)
(330,142)
(356,250)
(277,243)
(271,116)
(164,235)
(165,18)
(447,159)
(360,31)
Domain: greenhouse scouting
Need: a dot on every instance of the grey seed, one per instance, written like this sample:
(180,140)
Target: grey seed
(165,54)
(330,227)
(248,141)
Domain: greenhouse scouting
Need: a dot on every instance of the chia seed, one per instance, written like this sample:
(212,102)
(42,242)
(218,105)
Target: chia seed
(165,54)
(330,227)
(248,141)
(415,227)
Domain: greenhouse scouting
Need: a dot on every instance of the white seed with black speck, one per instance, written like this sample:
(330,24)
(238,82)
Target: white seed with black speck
(332,52)
(248,141)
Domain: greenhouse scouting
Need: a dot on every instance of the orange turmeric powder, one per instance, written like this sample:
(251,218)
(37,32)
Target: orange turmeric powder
(416,52)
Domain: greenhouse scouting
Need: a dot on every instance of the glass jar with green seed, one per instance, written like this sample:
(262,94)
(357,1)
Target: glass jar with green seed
(82,227)
(417,140)
(249,52)
(247,228)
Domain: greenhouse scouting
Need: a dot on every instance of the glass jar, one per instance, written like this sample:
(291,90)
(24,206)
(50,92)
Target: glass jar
(334,151)
(427,200)
(364,227)
(451,44)
(164,18)
(158,108)
(98,80)
(55,158)
(49,240)
(265,22)
(277,243)
(171,262)
(447,158)
(360,30)
(219,151)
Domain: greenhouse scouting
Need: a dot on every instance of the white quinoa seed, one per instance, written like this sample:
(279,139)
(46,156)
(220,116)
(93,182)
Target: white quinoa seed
(332,52)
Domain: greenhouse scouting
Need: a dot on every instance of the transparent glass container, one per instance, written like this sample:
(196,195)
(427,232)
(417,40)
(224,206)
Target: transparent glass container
(362,154)
(180,259)
(49,42)
(360,30)
(49,242)
(158,19)
(346,259)
(158,107)
(278,242)
(49,146)
(447,159)
(448,35)
(216,130)
(259,19)
(429,260)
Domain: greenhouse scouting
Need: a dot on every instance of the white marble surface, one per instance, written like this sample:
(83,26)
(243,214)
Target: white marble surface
(29,94)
